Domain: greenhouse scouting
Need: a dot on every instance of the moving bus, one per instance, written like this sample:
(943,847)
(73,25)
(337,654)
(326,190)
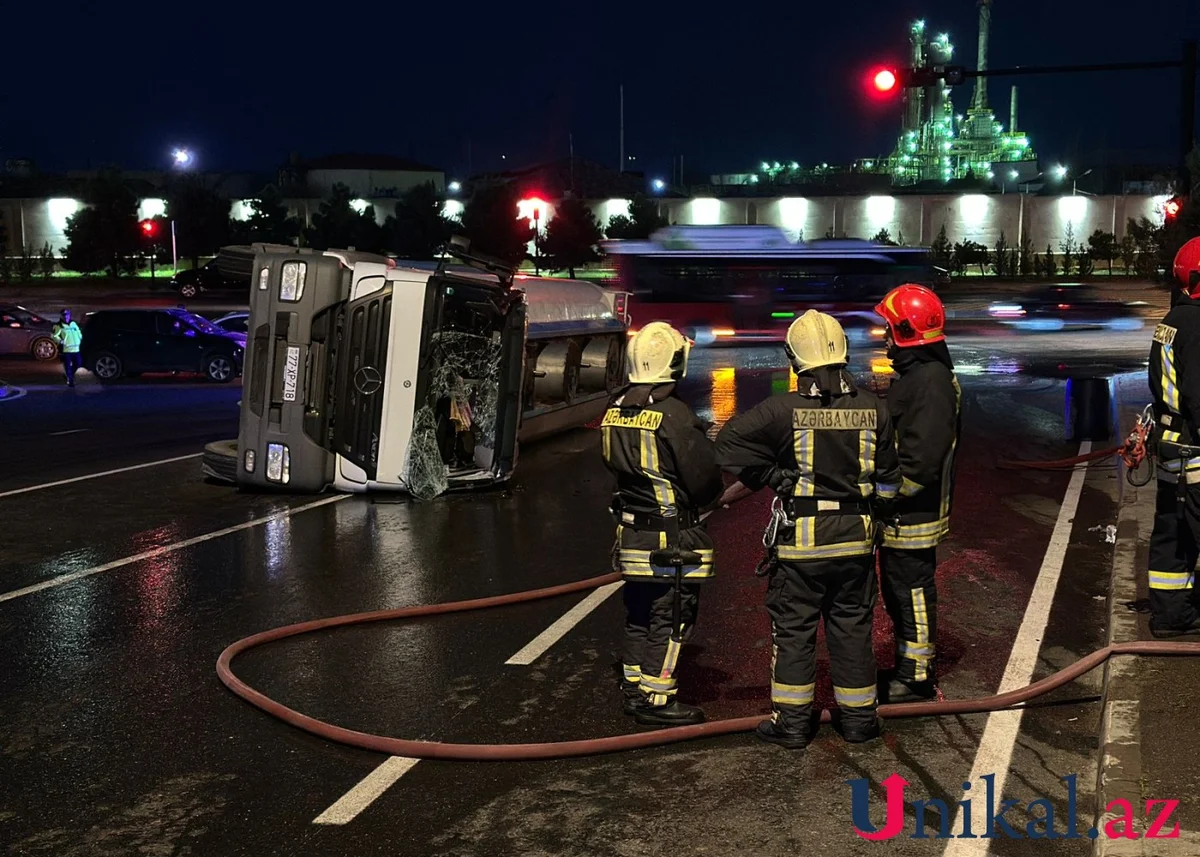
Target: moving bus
(744,284)
(365,373)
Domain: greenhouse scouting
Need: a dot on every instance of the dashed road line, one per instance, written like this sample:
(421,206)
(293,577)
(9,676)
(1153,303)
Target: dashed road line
(102,473)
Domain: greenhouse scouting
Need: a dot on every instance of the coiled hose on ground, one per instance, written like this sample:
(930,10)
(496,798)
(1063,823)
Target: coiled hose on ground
(597,746)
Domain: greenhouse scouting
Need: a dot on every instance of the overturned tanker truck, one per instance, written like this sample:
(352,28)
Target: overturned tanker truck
(365,373)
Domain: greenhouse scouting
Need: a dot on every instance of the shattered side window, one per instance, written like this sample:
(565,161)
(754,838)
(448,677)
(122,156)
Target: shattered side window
(455,429)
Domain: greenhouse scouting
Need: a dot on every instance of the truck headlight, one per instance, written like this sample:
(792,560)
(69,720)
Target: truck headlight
(249,460)
(291,286)
(264,279)
(279,463)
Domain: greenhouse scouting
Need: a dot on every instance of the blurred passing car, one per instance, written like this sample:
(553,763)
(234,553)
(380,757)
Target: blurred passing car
(1056,308)
(211,279)
(126,343)
(23,332)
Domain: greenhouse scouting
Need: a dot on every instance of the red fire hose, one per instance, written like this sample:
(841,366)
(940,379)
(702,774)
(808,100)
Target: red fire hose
(597,746)
(1134,452)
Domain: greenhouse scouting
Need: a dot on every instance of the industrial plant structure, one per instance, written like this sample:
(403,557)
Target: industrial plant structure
(936,143)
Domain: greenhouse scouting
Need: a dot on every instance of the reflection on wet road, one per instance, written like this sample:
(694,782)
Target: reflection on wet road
(124,742)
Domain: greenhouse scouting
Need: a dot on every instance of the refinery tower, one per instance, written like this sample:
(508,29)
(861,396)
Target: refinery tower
(939,144)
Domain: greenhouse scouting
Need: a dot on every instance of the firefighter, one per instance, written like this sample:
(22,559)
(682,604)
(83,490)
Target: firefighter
(925,402)
(828,454)
(1175,386)
(666,473)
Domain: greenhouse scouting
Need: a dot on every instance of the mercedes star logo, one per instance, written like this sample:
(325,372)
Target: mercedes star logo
(367,380)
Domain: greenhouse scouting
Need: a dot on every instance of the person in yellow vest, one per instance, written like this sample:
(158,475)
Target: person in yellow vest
(69,337)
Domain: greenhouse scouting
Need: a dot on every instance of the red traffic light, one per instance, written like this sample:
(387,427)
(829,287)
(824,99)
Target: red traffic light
(885,80)
(1171,209)
(149,228)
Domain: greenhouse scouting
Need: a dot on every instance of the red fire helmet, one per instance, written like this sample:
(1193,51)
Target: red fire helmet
(1187,267)
(914,314)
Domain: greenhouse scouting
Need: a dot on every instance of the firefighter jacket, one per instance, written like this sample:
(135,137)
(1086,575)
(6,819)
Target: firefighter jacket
(827,451)
(925,401)
(666,473)
(1175,386)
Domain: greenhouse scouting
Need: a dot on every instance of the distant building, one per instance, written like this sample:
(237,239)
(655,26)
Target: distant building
(369,177)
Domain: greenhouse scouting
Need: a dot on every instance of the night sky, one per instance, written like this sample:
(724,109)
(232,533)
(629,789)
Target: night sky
(725,85)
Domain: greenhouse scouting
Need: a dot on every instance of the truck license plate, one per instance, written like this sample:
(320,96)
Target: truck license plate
(291,369)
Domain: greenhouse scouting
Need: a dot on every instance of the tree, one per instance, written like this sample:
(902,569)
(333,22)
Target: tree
(1049,266)
(3,234)
(1128,252)
(418,228)
(1147,238)
(1104,246)
(201,216)
(269,221)
(46,263)
(104,234)
(1028,262)
(884,237)
(1068,248)
(941,249)
(1000,265)
(490,220)
(1084,262)
(572,236)
(971,253)
(641,222)
(336,224)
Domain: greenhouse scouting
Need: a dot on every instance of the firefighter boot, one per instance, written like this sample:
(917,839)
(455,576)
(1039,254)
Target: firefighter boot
(1191,630)
(899,691)
(792,730)
(859,730)
(672,713)
(633,695)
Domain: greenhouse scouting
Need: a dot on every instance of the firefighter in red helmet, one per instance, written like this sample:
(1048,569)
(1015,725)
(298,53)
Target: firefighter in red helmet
(1175,384)
(925,404)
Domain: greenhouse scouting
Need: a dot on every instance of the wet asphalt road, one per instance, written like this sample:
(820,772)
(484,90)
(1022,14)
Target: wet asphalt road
(118,738)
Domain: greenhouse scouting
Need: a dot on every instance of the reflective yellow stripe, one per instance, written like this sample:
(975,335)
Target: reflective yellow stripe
(866,461)
(916,651)
(664,492)
(1170,389)
(835,551)
(854,697)
(803,446)
(908,488)
(1172,436)
(606,442)
(921,618)
(886,491)
(634,555)
(633,674)
(792,694)
(1173,580)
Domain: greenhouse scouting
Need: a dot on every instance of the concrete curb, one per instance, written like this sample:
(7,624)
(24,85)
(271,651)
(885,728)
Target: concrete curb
(1119,768)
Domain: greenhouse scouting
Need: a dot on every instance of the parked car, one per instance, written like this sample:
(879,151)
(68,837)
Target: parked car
(210,278)
(126,343)
(234,322)
(1055,308)
(24,332)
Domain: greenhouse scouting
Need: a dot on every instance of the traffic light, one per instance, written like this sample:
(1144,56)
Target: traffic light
(149,229)
(1171,209)
(885,80)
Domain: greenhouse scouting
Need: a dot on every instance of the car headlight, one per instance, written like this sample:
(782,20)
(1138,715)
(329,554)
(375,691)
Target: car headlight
(279,463)
(291,286)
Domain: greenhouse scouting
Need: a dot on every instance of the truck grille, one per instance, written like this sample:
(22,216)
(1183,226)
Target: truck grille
(361,375)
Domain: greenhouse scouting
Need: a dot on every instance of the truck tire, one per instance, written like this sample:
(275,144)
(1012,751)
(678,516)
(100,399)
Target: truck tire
(220,461)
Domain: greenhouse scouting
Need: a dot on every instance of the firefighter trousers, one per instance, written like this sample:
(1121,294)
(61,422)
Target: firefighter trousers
(1173,553)
(650,657)
(801,594)
(910,596)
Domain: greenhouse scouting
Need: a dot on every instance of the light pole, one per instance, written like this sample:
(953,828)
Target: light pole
(537,231)
(1075,180)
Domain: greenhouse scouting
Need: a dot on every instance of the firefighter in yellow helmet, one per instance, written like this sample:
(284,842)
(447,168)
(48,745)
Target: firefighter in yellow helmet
(827,452)
(666,473)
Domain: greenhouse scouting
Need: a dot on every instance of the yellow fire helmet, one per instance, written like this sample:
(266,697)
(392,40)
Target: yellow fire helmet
(658,354)
(815,339)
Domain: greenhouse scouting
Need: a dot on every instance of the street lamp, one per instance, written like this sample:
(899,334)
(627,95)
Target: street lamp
(455,187)
(182,158)
(1060,172)
(658,185)
(1075,180)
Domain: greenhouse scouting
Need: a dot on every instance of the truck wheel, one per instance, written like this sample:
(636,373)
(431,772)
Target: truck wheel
(220,460)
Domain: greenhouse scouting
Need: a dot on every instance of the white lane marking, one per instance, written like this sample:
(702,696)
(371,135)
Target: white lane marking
(1003,727)
(374,784)
(372,787)
(68,431)
(132,467)
(13,393)
(165,549)
(543,641)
